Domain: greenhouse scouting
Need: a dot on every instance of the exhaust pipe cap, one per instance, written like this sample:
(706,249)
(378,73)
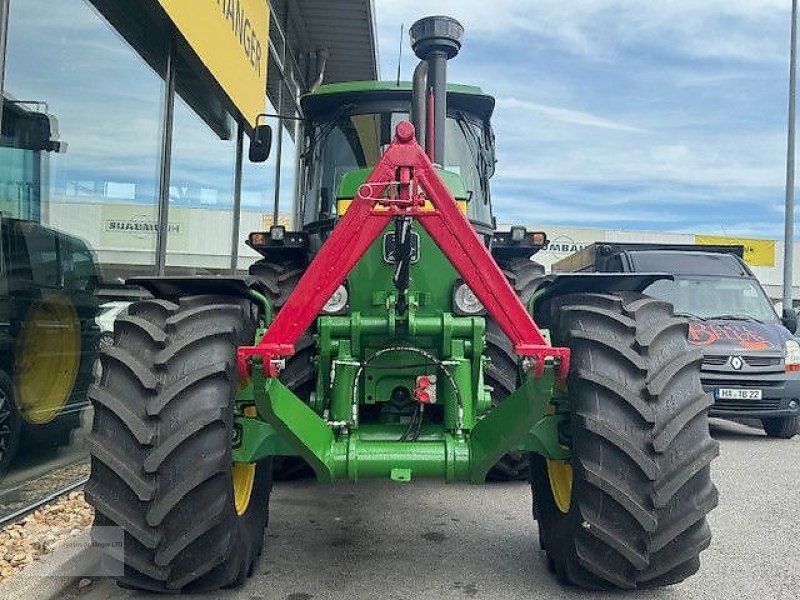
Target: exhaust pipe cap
(437,34)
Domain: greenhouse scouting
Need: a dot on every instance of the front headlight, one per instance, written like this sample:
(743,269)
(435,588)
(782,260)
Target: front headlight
(792,355)
(465,302)
(337,303)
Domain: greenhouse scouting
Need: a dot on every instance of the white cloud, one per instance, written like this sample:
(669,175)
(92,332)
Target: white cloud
(565,115)
(702,28)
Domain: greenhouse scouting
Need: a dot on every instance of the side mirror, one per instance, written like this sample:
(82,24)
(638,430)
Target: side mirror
(790,320)
(260,143)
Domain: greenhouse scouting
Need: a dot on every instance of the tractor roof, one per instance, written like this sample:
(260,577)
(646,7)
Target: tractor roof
(329,97)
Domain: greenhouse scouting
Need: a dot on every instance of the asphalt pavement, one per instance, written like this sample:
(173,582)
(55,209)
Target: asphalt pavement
(381,540)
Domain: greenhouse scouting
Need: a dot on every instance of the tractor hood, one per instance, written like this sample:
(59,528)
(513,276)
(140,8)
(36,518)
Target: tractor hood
(737,337)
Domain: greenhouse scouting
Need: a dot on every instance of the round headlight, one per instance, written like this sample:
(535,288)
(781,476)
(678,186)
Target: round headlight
(337,302)
(465,301)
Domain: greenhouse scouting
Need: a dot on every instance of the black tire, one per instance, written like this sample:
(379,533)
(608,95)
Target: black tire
(280,279)
(10,424)
(55,434)
(299,375)
(641,449)
(502,373)
(784,428)
(161,446)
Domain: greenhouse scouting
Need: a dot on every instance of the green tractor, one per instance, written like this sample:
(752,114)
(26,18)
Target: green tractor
(392,336)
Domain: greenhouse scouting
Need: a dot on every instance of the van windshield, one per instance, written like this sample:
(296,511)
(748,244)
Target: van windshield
(715,298)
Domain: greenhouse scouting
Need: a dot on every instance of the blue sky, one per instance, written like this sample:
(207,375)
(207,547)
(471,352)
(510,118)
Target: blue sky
(626,114)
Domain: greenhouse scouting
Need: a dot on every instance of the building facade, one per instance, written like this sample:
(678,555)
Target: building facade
(123,152)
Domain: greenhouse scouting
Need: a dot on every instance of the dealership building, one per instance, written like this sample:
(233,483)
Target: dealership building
(125,134)
(150,104)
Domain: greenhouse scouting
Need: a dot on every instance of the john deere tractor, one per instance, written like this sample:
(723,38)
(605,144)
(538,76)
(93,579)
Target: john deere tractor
(397,335)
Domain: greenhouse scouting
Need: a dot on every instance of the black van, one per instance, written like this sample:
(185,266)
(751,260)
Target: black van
(751,359)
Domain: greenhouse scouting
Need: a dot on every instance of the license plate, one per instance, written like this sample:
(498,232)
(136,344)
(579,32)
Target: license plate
(731,394)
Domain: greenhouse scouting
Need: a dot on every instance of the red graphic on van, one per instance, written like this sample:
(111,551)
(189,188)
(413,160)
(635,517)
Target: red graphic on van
(705,334)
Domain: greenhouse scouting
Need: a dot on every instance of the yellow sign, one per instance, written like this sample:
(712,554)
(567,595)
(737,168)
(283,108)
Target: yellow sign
(231,38)
(758,253)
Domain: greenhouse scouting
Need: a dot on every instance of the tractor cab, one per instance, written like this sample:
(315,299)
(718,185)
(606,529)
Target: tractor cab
(349,127)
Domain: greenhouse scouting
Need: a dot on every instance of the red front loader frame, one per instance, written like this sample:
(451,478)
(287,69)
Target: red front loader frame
(401,183)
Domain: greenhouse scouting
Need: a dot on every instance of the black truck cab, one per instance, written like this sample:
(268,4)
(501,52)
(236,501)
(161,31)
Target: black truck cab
(751,359)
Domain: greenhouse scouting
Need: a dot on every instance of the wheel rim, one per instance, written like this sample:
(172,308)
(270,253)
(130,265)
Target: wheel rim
(560,474)
(244,475)
(47,359)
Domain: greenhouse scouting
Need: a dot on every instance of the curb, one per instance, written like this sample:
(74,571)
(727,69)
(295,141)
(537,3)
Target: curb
(51,575)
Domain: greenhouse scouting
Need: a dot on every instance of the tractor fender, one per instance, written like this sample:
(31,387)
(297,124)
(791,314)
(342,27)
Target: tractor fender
(172,288)
(559,284)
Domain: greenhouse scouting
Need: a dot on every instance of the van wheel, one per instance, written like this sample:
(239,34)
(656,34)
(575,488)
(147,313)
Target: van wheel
(783,428)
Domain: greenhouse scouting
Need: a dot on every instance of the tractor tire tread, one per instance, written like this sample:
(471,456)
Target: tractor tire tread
(641,446)
(160,450)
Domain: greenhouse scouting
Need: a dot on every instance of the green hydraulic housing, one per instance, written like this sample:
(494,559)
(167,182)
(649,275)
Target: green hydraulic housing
(355,424)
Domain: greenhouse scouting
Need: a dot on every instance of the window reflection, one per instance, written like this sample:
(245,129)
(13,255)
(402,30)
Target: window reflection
(200,195)
(78,179)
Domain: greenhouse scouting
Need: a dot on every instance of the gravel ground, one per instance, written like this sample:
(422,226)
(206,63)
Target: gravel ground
(24,487)
(41,532)
(380,540)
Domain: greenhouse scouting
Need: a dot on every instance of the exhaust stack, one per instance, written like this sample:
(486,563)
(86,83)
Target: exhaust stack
(435,40)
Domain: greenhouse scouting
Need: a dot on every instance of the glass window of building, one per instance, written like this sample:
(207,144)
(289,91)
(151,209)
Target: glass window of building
(79,164)
(201,195)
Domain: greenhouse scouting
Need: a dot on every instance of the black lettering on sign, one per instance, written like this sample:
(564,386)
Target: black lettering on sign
(242,28)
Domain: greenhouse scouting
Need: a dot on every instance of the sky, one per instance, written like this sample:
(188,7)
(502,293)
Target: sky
(665,115)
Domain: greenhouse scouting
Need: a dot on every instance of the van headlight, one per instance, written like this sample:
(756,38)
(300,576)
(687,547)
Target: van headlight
(337,303)
(792,355)
(465,302)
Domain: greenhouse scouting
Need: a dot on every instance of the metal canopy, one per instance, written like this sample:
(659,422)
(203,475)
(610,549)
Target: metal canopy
(345,29)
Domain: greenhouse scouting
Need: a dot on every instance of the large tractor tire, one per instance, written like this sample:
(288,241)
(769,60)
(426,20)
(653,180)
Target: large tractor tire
(10,423)
(784,428)
(502,373)
(160,446)
(280,279)
(629,509)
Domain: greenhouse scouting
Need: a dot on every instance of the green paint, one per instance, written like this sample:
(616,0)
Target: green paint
(401,475)
(375,450)
(432,280)
(302,429)
(509,423)
(266,306)
(259,440)
(543,438)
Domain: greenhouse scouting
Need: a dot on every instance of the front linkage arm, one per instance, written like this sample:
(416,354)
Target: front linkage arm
(399,186)
(405,185)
